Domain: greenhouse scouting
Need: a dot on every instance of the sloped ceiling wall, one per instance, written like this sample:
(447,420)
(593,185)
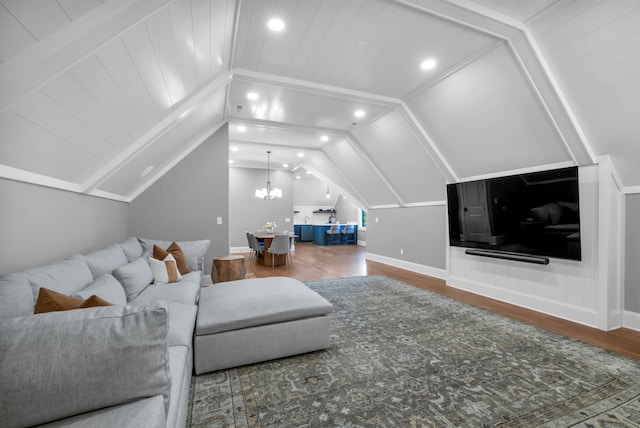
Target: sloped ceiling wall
(94,94)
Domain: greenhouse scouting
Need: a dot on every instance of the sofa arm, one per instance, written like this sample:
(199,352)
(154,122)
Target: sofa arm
(61,364)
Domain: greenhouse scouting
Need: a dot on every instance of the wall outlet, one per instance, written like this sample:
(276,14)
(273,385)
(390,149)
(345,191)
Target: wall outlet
(219,220)
(287,220)
(401,251)
(377,219)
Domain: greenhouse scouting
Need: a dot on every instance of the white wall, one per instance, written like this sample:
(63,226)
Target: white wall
(581,291)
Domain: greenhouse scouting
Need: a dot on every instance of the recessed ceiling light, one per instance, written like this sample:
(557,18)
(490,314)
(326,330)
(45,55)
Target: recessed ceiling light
(146,171)
(285,165)
(298,177)
(276,24)
(234,148)
(359,113)
(300,155)
(428,64)
(252,96)
(308,172)
(324,138)
(241,128)
(230,160)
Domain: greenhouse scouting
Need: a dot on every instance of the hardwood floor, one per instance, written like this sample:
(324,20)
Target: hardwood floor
(312,262)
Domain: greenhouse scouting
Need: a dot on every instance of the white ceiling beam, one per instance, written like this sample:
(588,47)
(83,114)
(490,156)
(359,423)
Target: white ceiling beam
(261,123)
(46,60)
(178,114)
(429,145)
(312,87)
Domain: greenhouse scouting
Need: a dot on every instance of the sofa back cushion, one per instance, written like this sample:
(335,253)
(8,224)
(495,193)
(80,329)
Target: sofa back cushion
(60,364)
(105,260)
(16,298)
(66,276)
(106,287)
(134,277)
(132,249)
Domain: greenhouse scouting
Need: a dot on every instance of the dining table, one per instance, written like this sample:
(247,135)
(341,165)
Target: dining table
(267,239)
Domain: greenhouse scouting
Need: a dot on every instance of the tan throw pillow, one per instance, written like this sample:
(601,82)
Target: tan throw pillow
(164,271)
(52,301)
(175,250)
(181,260)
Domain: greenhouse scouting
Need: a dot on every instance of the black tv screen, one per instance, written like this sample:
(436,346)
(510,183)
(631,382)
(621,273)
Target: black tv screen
(534,213)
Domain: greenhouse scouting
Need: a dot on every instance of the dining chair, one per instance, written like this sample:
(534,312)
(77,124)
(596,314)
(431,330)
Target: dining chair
(348,234)
(333,234)
(258,249)
(279,246)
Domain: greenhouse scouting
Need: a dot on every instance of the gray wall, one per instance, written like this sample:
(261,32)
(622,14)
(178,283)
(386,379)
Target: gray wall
(420,231)
(632,254)
(39,225)
(346,212)
(184,204)
(249,213)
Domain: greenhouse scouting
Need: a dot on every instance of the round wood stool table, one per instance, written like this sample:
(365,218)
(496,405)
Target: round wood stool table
(227,268)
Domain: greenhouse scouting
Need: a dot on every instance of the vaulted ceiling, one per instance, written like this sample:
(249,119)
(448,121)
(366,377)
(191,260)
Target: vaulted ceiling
(95,92)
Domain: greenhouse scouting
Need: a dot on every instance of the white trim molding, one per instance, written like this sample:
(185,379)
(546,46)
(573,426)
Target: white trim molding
(403,264)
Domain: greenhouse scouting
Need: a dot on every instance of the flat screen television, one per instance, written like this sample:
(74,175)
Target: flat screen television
(535,214)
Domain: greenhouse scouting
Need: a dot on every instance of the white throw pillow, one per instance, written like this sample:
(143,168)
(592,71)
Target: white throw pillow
(164,271)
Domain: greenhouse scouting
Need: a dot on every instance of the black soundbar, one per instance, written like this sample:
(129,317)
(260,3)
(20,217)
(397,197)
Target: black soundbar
(495,254)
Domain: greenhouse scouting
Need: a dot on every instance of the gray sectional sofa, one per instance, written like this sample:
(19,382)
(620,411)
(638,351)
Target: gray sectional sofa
(130,364)
(124,365)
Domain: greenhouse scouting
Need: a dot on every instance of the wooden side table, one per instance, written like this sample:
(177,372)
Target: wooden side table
(228,268)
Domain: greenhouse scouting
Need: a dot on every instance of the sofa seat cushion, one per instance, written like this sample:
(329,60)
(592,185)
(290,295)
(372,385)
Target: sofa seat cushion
(61,364)
(182,321)
(147,412)
(194,276)
(181,365)
(246,303)
(179,292)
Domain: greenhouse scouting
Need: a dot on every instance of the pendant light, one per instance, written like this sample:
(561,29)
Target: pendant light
(267,193)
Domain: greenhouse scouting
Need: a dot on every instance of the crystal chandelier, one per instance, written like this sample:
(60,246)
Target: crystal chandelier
(268,193)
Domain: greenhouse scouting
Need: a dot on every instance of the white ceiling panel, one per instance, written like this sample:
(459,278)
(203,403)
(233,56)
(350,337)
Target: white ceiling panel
(73,98)
(51,154)
(369,45)
(303,108)
(486,118)
(93,93)
(594,51)
(401,157)
(359,172)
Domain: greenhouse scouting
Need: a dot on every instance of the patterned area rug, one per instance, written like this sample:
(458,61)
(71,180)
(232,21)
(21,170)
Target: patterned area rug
(405,357)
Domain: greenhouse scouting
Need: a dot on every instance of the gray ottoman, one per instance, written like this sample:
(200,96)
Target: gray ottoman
(252,320)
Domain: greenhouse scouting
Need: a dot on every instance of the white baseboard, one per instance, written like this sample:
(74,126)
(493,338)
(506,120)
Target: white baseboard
(538,304)
(234,250)
(413,267)
(631,320)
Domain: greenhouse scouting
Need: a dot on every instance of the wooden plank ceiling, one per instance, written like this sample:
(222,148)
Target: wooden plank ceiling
(103,97)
